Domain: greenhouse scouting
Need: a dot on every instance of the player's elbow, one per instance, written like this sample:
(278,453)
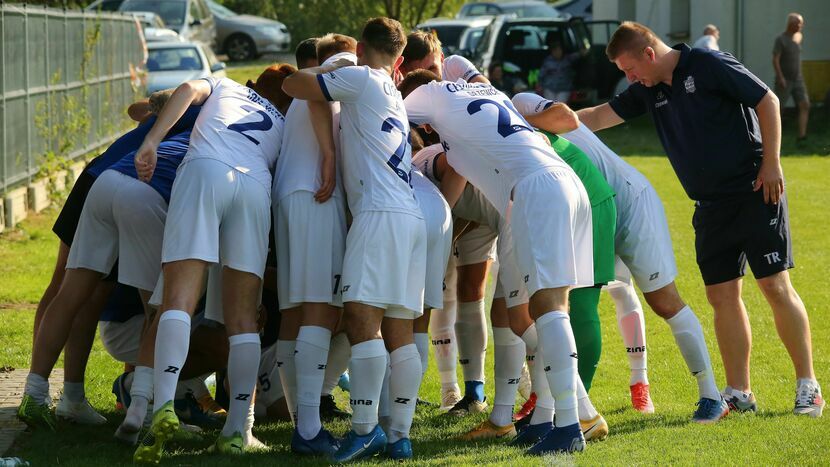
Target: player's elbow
(567,118)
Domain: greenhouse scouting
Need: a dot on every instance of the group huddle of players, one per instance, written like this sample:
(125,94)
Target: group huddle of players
(387,180)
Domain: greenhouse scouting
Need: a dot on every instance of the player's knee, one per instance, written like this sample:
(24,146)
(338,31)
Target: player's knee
(470,291)
(776,288)
(804,106)
(665,302)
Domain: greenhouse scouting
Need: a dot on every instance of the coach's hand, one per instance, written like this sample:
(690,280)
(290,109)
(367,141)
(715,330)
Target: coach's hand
(771,179)
(145,161)
(327,178)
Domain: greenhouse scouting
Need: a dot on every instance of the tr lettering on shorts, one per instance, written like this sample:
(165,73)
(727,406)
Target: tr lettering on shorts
(773,257)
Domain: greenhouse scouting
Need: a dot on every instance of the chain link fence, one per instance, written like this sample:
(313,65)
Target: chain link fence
(66,77)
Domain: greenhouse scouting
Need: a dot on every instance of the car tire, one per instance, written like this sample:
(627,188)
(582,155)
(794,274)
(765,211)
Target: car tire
(240,47)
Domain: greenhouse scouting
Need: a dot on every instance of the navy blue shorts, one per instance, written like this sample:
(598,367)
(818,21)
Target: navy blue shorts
(731,233)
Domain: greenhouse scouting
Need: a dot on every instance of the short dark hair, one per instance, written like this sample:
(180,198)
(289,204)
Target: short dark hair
(419,44)
(332,44)
(384,35)
(630,37)
(416,79)
(306,50)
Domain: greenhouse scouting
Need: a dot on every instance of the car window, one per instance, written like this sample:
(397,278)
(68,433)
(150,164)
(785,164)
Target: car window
(449,35)
(481,10)
(473,37)
(481,48)
(176,59)
(106,5)
(525,37)
(196,11)
(173,13)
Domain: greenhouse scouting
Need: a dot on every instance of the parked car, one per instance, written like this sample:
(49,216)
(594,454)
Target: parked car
(191,19)
(245,37)
(526,9)
(457,35)
(580,8)
(519,44)
(154,27)
(170,64)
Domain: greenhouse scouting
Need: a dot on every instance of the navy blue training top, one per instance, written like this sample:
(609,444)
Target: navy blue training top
(170,153)
(132,140)
(705,120)
(123,303)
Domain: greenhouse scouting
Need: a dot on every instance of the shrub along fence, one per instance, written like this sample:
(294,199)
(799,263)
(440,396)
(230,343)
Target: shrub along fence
(66,78)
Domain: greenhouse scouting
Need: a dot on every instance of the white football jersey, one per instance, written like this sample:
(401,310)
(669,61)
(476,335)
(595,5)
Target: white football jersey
(626,181)
(486,140)
(298,167)
(456,67)
(240,128)
(374,137)
(472,205)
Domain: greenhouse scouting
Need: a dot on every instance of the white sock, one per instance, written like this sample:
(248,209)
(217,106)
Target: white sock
(141,393)
(422,343)
(632,325)
(689,337)
(248,434)
(543,412)
(172,344)
(312,353)
(509,354)
(383,404)
(243,366)
(288,374)
(74,392)
(195,386)
(444,349)
(584,406)
(38,387)
(404,382)
(471,334)
(340,352)
(367,368)
(556,342)
(531,340)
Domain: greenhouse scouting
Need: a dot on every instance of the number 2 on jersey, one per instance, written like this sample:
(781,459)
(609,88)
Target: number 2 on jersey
(260,125)
(505,128)
(395,160)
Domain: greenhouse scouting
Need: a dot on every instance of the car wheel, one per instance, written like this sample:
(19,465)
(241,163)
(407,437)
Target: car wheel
(240,47)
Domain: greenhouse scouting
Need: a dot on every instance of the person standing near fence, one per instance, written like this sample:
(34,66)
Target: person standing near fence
(786,59)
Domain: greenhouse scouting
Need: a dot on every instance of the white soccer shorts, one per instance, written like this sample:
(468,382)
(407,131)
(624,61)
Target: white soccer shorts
(385,263)
(122,219)
(311,242)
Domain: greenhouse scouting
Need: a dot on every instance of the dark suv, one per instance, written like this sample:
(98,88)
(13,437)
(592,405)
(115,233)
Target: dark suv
(519,45)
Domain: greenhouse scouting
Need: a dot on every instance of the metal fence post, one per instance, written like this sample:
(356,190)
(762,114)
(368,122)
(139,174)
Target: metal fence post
(28,97)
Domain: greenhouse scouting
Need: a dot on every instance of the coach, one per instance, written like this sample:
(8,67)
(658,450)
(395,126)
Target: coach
(720,126)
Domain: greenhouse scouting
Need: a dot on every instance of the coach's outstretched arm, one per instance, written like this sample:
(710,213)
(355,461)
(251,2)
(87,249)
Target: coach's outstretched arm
(599,117)
(770,175)
(187,94)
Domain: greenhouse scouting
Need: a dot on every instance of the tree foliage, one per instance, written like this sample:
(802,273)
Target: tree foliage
(308,18)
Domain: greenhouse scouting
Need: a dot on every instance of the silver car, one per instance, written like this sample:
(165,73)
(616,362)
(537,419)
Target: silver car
(245,37)
(172,63)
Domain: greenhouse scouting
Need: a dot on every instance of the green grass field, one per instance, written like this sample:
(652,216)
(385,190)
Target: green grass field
(771,437)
